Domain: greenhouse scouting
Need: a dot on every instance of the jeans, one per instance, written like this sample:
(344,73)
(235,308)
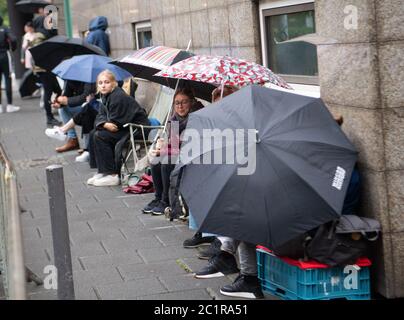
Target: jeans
(161,180)
(194,226)
(246,253)
(66,114)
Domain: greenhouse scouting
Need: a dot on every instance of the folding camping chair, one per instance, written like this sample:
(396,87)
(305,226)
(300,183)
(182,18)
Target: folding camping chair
(139,148)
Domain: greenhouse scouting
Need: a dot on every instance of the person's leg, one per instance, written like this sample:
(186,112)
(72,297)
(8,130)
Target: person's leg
(158,187)
(47,95)
(223,263)
(7,77)
(91,150)
(247,284)
(104,143)
(166,170)
(66,114)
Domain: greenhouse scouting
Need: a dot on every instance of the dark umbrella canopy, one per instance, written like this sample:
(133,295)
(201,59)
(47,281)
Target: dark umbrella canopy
(53,51)
(146,62)
(31,6)
(29,84)
(302,167)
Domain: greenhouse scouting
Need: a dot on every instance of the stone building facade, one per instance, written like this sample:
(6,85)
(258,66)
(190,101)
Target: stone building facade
(360,75)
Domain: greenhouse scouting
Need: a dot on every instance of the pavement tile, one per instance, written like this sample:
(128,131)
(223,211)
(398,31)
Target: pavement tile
(131,290)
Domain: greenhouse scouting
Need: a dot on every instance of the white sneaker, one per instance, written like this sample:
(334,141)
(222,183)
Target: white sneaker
(95,177)
(56,133)
(107,181)
(84,157)
(11,108)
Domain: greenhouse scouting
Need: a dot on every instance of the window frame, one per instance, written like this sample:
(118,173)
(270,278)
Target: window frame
(138,27)
(285,7)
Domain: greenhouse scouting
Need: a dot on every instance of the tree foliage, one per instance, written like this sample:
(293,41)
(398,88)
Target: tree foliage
(4,12)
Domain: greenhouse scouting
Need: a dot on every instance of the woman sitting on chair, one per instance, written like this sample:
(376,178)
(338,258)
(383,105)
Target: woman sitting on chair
(117,109)
(184,103)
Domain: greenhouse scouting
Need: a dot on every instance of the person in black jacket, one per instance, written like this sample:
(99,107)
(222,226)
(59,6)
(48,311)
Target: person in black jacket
(7,42)
(69,104)
(116,110)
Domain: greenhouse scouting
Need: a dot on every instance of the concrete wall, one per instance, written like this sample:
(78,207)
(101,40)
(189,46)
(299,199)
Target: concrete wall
(362,77)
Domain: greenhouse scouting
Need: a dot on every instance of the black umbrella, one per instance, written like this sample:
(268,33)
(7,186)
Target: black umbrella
(31,6)
(29,84)
(146,62)
(51,52)
(297,181)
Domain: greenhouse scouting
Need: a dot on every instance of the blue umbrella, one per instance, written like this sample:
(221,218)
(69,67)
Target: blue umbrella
(86,68)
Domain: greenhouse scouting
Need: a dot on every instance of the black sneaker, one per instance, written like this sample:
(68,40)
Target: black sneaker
(209,252)
(158,210)
(150,206)
(197,240)
(218,266)
(53,122)
(248,287)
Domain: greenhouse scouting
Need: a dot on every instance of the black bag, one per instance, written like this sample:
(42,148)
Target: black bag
(342,242)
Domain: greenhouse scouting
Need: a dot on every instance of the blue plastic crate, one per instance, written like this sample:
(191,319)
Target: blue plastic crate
(293,283)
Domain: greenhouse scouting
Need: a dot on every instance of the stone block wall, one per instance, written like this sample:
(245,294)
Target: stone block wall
(362,77)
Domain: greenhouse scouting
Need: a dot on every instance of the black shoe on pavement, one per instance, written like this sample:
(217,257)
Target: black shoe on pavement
(209,252)
(218,266)
(158,210)
(150,206)
(197,240)
(248,287)
(53,122)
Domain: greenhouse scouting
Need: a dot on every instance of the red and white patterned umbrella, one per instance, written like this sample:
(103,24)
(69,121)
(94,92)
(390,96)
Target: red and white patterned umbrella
(222,70)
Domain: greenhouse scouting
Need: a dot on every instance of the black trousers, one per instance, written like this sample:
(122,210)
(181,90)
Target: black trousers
(102,150)
(161,180)
(50,85)
(5,69)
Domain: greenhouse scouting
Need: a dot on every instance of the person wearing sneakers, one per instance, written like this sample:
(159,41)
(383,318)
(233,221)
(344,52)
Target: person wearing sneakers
(85,118)
(7,42)
(116,110)
(68,105)
(184,103)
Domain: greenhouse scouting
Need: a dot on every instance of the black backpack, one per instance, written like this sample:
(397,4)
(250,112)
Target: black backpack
(337,243)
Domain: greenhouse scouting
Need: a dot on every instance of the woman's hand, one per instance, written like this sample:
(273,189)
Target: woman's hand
(62,100)
(111,127)
(89,98)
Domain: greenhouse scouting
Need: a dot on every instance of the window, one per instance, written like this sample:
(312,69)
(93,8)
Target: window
(295,61)
(142,35)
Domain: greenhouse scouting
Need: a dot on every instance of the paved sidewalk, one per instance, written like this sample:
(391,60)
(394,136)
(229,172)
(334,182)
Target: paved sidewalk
(117,252)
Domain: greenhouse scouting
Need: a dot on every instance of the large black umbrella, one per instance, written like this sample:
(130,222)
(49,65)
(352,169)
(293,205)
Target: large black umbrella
(31,6)
(146,62)
(51,52)
(29,84)
(296,181)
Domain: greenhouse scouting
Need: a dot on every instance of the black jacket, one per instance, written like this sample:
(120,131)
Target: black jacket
(77,92)
(119,108)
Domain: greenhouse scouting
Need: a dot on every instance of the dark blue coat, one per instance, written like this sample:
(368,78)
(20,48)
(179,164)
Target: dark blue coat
(97,35)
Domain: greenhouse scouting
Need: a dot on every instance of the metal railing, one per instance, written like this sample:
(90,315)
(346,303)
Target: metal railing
(12,267)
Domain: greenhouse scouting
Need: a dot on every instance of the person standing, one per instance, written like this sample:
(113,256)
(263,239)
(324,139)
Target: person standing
(97,35)
(48,79)
(7,42)
(29,36)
